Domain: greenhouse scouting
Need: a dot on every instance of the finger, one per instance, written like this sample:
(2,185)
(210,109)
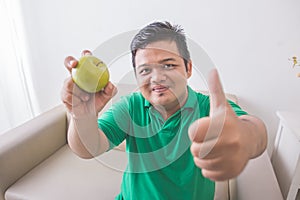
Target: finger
(218,175)
(214,169)
(70,62)
(218,105)
(71,100)
(198,129)
(78,92)
(86,52)
(210,164)
(205,129)
(110,90)
(103,97)
(68,107)
(217,96)
(68,97)
(208,128)
(207,150)
(71,88)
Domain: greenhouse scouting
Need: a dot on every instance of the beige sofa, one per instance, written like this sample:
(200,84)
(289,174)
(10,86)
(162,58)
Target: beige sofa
(37,164)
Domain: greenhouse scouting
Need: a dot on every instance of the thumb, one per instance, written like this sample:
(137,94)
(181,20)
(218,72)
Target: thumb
(70,62)
(218,100)
(211,128)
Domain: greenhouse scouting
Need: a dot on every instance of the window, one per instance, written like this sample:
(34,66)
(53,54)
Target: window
(16,97)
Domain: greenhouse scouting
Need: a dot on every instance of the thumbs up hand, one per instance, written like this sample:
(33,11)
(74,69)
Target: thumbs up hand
(222,143)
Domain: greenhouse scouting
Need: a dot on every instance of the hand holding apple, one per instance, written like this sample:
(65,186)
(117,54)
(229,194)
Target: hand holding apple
(82,98)
(90,74)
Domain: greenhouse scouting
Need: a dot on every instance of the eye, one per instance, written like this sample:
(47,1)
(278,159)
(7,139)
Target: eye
(168,66)
(145,71)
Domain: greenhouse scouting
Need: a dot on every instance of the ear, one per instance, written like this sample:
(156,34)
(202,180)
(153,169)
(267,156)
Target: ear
(189,69)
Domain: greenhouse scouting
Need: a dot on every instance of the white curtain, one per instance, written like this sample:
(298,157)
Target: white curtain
(16,92)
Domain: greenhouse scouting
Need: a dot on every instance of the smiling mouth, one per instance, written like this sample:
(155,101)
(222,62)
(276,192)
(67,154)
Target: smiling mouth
(160,89)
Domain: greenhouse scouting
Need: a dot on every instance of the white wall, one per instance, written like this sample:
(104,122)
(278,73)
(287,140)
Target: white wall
(249,41)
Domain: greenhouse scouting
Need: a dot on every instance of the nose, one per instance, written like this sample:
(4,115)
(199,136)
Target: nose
(158,76)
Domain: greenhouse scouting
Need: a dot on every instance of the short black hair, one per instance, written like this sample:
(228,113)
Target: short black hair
(160,31)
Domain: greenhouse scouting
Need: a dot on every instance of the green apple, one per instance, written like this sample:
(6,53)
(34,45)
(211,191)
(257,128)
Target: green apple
(90,74)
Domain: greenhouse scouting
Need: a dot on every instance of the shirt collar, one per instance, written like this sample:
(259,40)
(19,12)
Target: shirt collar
(147,103)
(191,101)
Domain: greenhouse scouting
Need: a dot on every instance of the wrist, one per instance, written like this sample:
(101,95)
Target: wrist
(254,136)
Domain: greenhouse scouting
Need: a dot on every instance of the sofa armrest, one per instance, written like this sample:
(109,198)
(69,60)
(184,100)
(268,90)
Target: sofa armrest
(258,181)
(24,147)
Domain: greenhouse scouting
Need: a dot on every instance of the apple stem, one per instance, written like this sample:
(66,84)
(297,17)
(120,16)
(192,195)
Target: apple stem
(99,63)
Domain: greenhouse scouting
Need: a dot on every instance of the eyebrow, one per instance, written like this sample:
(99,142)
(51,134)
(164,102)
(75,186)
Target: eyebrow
(161,61)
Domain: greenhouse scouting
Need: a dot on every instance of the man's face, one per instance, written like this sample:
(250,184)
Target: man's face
(161,74)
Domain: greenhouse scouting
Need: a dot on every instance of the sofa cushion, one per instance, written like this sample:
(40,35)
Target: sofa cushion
(65,176)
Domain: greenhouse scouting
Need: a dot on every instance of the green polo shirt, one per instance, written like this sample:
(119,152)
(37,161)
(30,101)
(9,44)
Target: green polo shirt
(160,164)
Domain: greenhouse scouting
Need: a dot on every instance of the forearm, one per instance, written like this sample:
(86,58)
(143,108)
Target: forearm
(255,137)
(85,138)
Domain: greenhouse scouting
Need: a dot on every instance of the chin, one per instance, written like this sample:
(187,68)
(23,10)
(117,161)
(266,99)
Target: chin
(162,100)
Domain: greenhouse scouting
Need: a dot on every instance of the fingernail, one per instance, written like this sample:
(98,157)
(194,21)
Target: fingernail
(110,86)
(86,52)
(71,63)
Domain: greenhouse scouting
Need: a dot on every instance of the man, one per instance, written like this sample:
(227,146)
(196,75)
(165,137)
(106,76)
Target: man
(178,141)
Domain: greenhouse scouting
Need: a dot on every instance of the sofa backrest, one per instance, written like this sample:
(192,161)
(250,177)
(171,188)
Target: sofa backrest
(24,147)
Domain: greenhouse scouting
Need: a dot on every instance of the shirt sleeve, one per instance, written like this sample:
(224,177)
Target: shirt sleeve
(115,122)
(237,109)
